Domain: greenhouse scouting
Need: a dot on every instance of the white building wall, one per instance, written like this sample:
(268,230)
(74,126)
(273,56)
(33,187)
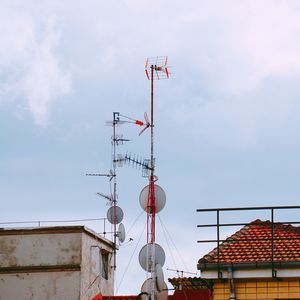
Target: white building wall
(40,286)
(52,263)
(40,249)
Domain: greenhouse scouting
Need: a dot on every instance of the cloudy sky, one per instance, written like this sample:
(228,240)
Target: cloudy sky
(226,122)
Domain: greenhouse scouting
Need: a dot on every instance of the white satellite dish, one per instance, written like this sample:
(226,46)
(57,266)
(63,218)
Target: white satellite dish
(160,282)
(119,214)
(147,287)
(121,233)
(146,256)
(160,198)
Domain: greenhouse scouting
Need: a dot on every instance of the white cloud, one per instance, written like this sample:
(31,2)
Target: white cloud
(237,44)
(236,57)
(230,46)
(44,82)
(30,66)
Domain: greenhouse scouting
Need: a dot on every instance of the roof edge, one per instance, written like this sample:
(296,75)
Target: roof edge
(55,230)
(248,265)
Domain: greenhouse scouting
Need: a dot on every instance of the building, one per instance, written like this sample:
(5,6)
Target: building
(54,263)
(260,261)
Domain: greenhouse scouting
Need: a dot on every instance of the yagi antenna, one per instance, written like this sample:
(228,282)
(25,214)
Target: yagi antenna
(139,162)
(181,272)
(119,140)
(156,68)
(111,175)
(107,197)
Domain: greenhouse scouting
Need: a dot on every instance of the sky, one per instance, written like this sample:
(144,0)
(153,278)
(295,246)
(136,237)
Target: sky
(226,121)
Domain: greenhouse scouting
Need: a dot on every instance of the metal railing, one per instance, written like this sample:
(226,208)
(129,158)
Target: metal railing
(219,225)
(40,223)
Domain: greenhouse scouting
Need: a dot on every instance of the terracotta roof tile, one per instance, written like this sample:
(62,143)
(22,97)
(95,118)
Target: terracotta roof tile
(190,283)
(253,244)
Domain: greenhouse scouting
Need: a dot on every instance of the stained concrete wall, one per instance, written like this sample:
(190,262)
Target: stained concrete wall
(92,280)
(40,286)
(52,263)
(40,249)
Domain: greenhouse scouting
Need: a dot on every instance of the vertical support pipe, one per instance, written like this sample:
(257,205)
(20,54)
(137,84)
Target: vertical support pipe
(152,119)
(231,282)
(218,246)
(104,226)
(272,240)
(151,194)
(115,193)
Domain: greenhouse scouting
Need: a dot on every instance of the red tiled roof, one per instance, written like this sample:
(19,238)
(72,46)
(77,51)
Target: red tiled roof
(189,283)
(253,244)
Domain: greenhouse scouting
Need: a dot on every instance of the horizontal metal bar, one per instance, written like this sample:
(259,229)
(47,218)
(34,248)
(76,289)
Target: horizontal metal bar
(248,208)
(243,224)
(249,240)
(51,221)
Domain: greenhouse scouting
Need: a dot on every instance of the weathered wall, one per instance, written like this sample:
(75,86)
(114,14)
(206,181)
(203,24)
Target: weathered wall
(40,286)
(262,289)
(40,250)
(92,281)
(53,263)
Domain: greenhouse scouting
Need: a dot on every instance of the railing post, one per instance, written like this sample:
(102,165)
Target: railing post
(218,242)
(274,275)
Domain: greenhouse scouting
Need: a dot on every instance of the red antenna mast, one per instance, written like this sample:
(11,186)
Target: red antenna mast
(152,256)
(156,69)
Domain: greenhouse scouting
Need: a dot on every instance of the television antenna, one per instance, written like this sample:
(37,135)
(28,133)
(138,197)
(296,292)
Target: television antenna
(181,272)
(152,197)
(115,213)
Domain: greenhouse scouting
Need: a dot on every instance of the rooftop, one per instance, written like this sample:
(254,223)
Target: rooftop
(190,283)
(54,230)
(253,244)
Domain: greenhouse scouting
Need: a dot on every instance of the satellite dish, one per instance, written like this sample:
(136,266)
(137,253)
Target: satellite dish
(160,283)
(121,233)
(163,294)
(147,287)
(160,198)
(146,256)
(119,214)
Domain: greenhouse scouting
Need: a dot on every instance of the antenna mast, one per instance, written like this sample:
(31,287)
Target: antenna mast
(114,200)
(117,160)
(115,213)
(156,69)
(157,66)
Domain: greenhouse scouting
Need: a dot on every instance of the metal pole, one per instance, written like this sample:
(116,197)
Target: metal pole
(104,227)
(115,191)
(152,192)
(272,241)
(218,249)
